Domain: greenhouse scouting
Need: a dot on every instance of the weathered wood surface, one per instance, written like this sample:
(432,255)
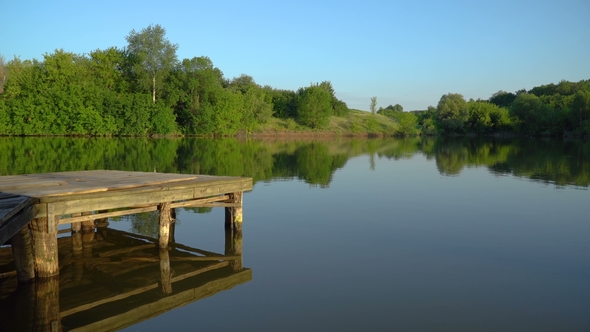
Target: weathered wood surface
(64,193)
(45,252)
(82,182)
(11,204)
(47,200)
(15,212)
(52,186)
(233,215)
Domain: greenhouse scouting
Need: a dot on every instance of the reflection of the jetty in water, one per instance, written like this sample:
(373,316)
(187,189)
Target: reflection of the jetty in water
(110,279)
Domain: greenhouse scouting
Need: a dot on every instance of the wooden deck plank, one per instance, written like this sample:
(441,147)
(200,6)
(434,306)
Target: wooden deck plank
(10,205)
(63,193)
(82,182)
(201,187)
(15,184)
(15,223)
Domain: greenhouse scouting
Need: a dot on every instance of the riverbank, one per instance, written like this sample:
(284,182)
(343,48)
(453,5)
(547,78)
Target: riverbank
(355,124)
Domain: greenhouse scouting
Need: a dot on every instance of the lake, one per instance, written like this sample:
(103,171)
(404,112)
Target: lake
(417,234)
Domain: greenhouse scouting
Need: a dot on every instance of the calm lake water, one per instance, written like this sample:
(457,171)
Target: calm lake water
(369,235)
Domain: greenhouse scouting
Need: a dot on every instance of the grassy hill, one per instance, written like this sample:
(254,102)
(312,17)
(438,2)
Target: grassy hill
(356,123)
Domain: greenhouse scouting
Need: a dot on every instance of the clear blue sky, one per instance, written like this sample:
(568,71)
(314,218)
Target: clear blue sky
(406,52)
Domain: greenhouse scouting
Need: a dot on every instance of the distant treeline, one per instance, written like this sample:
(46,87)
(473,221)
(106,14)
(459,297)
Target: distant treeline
(144,89)
(547,110)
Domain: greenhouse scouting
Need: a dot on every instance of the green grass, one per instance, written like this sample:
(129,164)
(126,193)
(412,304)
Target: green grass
(356,123)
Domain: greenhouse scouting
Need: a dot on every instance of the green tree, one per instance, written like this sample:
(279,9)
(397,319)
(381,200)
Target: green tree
(107,67)
(5,126)
(243,83)
(314,106)
(452,113)
(530,114)
(3,73)
(581,111)
(480,121)
(154,53)
(407,123)
(502,98)
(284,102)
(391,111)
(339,108)
(373,104)
(256,110)
(192,89)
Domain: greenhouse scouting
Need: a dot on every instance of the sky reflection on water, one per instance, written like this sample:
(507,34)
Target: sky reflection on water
(403,248)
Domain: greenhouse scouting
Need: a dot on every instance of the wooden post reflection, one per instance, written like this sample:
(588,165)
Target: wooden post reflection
(233,246)
(102,222)
(46,314)
(77,254)
(17,310)
(165,274)
(87,236)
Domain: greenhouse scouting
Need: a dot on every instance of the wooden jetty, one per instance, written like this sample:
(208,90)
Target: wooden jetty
(111,279)
(42,202)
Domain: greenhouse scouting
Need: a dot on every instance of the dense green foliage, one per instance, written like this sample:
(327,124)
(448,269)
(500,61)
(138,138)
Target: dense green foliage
(551,110)
(144,89)
(407,121)
(452,113)
(547,110)
(314,106)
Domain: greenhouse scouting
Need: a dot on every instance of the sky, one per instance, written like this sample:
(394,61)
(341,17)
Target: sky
(402,52)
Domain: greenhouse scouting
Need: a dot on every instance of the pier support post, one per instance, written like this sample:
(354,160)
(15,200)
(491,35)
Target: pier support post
(76,226)
(164,223)
(44,231)
(233,214)
(22,251)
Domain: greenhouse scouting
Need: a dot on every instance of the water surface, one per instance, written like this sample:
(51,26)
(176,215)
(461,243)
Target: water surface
(372,235)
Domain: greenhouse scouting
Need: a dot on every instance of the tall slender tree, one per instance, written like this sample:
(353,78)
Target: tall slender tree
(154,53)
(3,74)
(373,105)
